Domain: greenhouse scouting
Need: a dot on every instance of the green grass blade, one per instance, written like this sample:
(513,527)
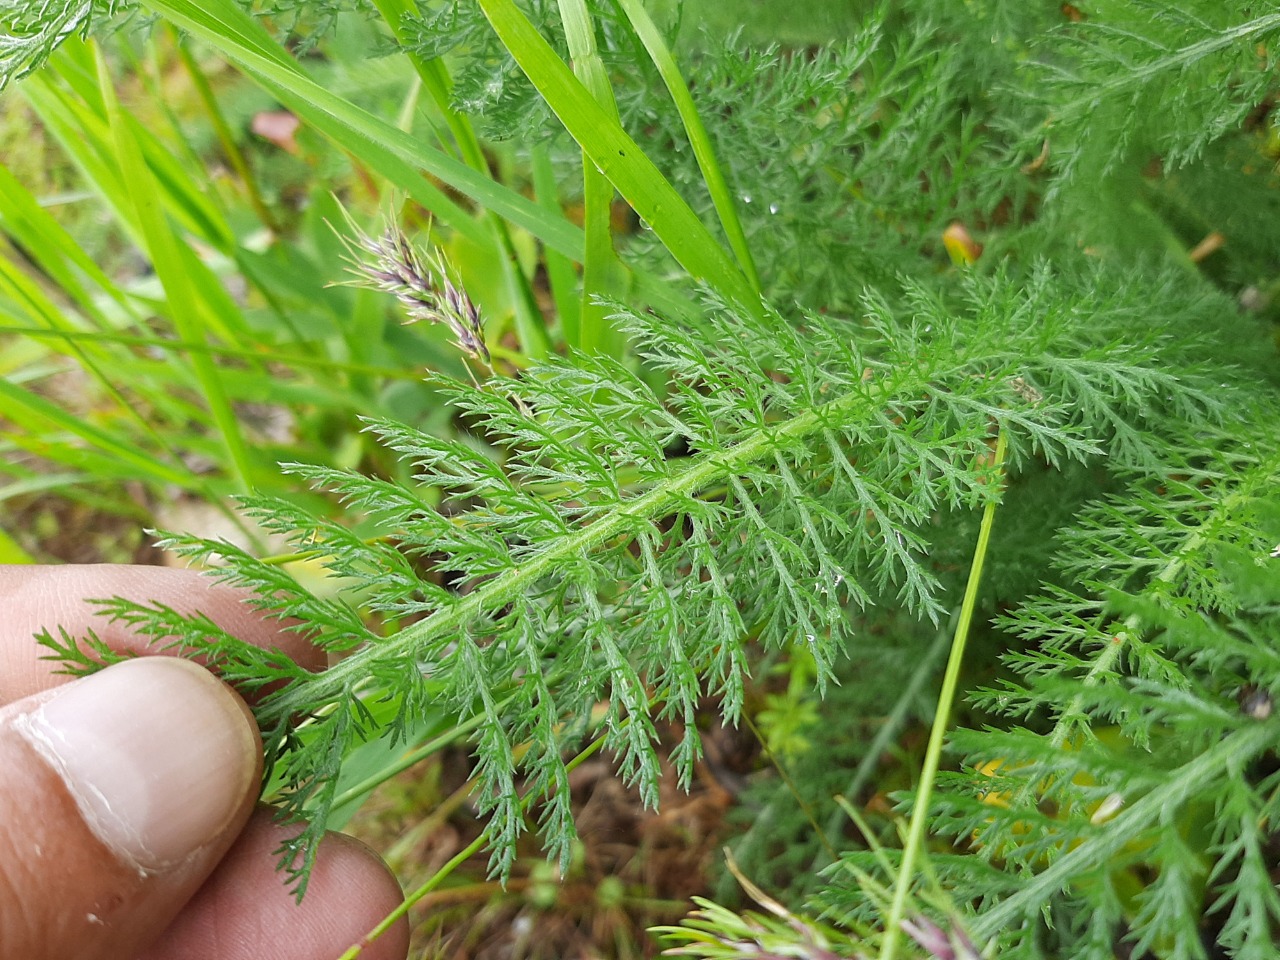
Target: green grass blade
(174,270)
(392,153)
(703,152)
(89,143)
(618,156)
(26,297)
(11,551)
(108,454)
(230,149)
(386,150)
(941,720)
(72,486)
(263,355)
(46,242)
(90,351)
(185,199)
(37,483)
(184,195)
(435,78)
(601,276)
(84,139)
(87,352)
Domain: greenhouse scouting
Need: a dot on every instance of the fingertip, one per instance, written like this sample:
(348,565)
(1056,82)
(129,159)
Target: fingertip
(159,755)
(349,862)
(120,793)
(245,907)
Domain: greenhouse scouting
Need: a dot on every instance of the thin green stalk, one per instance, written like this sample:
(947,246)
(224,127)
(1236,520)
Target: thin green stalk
(941,720)
(434,745)
(45,421)
(601,276)
(411,840)
(230,149)
(560,273)
(217,350)
(703,152)
(437,878)
(164,249)
(801,802)
(48,244)
(530,326)
(884,736)
(90,356)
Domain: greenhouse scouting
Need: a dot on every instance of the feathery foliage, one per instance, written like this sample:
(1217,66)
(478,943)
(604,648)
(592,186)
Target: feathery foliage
(598,542)
(588,564)
(1157,665)
(1166,79)
(30,32)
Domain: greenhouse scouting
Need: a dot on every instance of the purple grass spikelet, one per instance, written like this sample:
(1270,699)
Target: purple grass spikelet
(427,287)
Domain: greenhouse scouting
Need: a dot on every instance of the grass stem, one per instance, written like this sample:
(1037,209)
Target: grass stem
(941,720)
(226,140)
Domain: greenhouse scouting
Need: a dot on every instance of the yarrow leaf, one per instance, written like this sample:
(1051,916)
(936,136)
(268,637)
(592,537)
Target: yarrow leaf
(592,540)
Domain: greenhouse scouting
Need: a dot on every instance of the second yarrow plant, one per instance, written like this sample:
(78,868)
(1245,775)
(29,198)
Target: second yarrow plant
(785,415)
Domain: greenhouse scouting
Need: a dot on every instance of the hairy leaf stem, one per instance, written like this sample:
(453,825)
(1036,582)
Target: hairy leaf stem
(941,720)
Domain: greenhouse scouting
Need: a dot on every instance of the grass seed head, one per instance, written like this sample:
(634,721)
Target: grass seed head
(427,287)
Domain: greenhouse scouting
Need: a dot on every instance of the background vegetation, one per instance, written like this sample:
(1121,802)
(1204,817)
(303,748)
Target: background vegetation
(855,427)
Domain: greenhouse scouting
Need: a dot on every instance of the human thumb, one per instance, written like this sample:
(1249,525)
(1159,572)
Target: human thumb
(119,794)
